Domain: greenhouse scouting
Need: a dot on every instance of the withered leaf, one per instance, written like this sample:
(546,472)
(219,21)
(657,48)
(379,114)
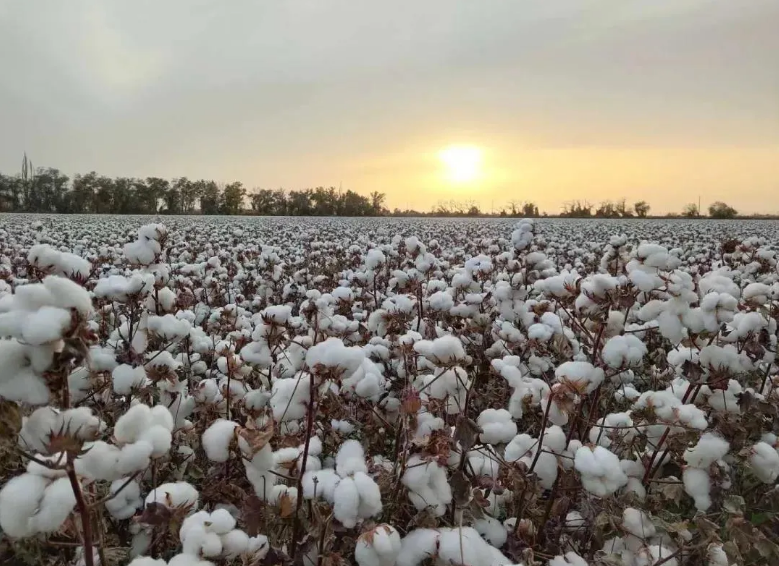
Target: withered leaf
(286,506)
(155,514)
(466,432)
(255,437)
(461,488)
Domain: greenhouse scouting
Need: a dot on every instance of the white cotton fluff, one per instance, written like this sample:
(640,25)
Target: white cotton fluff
(623,351)
(583,375)
(168,327)
(46,422)
(716,555)
(492,530)
(428,485)
(217,438)
(347,502)
(141,427)
(697,484)
(709,449)
(568,559)
(32,504)
(45,325)
(638,524)
(19,502)
(444,350)
(290,397)
(764,462)
(451,545)
(126,502)
(125,378)
(378,547)
(175,494)
(600,470)
(54,508)
(332,354)
(497,426)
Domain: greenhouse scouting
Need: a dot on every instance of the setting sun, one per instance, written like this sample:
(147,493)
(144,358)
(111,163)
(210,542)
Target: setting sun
(462,163)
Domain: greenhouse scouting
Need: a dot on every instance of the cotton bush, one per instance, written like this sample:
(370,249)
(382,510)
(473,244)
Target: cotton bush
(388,392)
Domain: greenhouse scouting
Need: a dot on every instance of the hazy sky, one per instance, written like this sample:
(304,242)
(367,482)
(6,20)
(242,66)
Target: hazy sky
(648,99)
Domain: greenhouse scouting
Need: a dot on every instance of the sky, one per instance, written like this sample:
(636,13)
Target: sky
(656,100)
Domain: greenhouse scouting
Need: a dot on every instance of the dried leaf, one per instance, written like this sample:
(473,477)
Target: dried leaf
(155,514)
(461,488)
(286,506)
(733,504)
(466,433)
(255,437)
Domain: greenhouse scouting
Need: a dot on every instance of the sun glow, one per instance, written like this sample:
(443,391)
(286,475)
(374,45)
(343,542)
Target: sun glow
(462,163)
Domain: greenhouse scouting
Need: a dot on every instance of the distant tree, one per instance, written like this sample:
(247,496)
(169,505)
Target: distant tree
(721,210)
(577,209)
(641,208)
(529,210)
(232,198)
(299,203)
(190,193)
(474,210)
(210,197)
(691,210)
(622,209)
(607,209)
(377,203)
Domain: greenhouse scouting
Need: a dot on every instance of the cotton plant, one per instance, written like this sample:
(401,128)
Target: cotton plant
(349,488)
(594,364)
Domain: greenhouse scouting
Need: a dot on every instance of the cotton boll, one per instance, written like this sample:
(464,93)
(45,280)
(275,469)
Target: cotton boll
(370,496)
(637,523)
(130,425)
(234,543)
(222,521)
(709,449)
(37,428)
(321,483)
(19,501)
(350,458)
(134,457)
(174,494)
(600,470)
(217,438)
(417,546)
(45,325)
(378,547)
(497,426)
(69,295)
(124,503)
(347,502)
(159,438)
(125,378)
(697,484)
(764,462)
(56,505)
(492,530)
(582,375)
(716,555)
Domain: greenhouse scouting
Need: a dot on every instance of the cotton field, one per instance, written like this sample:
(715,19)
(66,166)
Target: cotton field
(388,392)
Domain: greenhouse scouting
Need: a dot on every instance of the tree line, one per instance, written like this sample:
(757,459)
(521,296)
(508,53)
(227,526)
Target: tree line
(48,190)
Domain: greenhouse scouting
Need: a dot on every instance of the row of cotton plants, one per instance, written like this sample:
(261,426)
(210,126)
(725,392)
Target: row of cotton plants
(388,392)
